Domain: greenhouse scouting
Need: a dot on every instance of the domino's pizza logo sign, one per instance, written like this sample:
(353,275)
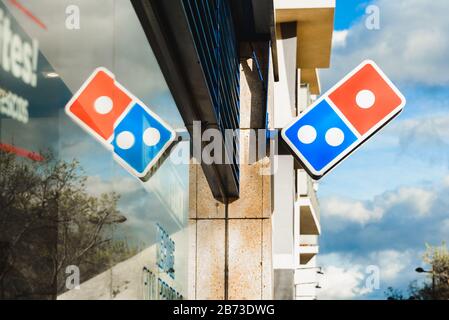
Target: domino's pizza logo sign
(361,104)
(124,125)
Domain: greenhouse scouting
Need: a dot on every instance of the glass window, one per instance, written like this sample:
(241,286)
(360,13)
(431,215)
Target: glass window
(66,204)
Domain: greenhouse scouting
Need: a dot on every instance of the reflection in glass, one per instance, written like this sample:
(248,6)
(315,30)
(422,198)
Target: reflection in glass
(64,203)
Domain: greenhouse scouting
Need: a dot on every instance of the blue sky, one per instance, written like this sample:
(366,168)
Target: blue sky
(347,12)
(387,200)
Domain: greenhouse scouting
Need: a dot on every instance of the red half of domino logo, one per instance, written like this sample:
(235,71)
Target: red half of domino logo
(98,104)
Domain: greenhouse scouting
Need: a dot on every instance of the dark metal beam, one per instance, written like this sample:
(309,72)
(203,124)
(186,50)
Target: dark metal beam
(168,32)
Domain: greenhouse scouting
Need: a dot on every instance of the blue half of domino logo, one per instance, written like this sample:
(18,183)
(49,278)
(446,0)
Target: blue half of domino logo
(319,136)
(140,139)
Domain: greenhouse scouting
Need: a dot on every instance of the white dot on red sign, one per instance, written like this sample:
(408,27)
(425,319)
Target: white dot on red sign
(334,137)
(125,140)
(103,105)
(151,137)
(365,99)
(307,134)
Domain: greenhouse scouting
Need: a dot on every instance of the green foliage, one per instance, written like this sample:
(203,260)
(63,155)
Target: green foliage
(394,294)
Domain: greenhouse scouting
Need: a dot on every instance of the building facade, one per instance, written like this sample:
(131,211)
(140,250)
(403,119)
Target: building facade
(227,75)
(304,38)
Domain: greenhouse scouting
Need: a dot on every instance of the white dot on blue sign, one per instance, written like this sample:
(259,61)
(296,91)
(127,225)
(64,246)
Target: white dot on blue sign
(151,137)
(307,134)
(125,140)
(334,137)
(365,99)
(103,105)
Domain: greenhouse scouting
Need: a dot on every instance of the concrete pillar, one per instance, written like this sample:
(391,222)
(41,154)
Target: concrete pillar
(230,244)
(207,240)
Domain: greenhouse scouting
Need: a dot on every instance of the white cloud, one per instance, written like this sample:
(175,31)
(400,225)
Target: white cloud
(347,276)
(341,283)
(412,44)
(391,263)
(352,210)
(417,200)
(343,278)
(339,38)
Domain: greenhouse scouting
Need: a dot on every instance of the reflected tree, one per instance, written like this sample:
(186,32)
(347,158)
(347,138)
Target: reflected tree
(47,222)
